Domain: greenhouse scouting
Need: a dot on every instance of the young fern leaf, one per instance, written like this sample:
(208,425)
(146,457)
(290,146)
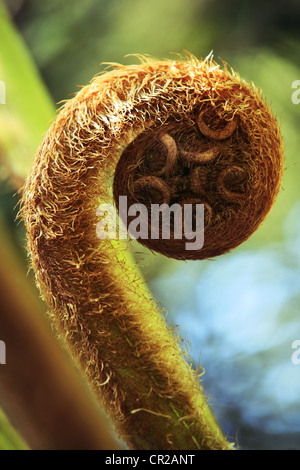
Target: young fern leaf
(162,131)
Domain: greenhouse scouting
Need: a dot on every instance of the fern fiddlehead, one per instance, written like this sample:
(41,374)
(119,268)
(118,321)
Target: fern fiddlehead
(159,132)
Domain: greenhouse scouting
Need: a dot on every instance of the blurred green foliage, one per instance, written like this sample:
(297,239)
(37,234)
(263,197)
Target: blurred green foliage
(9,439)
(28,109)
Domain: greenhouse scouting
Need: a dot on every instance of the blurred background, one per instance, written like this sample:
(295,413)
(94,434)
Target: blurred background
(238,313)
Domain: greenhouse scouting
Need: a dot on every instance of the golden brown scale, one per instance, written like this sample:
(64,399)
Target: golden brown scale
(183,131)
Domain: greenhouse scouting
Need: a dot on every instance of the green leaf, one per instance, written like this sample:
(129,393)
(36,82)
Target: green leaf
(28,108)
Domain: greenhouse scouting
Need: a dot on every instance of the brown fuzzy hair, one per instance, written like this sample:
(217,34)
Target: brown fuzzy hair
(208,134)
